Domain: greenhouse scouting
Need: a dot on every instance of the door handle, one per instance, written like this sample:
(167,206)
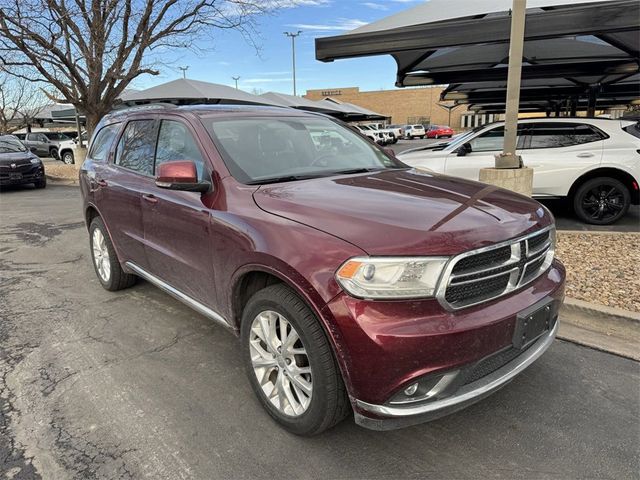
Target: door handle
(585,155)
(101,183)
(150,198)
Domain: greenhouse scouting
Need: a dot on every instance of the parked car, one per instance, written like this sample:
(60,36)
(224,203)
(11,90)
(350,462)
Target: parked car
(354,282)
(414,131)
(592,162)
(43,144)
(66,149)
(439,131)
(378,137)
(18,165)
(389,134)
(398,131)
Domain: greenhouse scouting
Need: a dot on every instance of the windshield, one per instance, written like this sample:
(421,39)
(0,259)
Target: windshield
(457,141)
(11,145)
(271,149)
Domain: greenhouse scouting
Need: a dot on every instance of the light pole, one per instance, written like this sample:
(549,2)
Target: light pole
(184,71)
(235,79)
(293,36)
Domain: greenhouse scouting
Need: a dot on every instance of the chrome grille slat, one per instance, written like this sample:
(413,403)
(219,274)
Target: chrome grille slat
(470,278)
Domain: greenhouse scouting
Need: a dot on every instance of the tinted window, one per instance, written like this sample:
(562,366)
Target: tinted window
(175,142)
(33,137)
(102,143)
(493,140)
(136,146)
(554,135)
(633,130)
(263,149)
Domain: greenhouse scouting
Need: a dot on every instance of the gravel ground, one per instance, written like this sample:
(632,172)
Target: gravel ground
(602,268)
(60,170)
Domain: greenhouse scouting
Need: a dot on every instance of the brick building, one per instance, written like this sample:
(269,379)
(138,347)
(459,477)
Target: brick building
(403,105)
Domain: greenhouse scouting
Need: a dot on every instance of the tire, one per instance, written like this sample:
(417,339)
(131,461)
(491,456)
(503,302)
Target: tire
(67,157)
(116,278)
(53,153)
(437,137)
(422,137)
(601,201)
(42,183)
(328,403)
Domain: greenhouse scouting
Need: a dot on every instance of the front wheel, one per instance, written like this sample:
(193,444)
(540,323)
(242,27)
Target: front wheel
(601,201)
(42,183)
(290,363)
(67,157)
(53,153)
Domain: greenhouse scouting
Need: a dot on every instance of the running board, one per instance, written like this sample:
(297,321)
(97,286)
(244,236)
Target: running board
(177,294)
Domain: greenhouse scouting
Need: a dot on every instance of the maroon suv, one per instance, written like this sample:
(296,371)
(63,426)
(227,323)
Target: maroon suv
(354,282)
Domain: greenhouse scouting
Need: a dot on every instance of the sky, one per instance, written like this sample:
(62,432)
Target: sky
(270,68)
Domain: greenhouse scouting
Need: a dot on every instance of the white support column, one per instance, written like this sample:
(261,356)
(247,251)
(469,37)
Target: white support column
(516,178)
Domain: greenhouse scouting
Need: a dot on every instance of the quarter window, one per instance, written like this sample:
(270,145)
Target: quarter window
(175,142)
(102,142)
(136,146)
(561,134)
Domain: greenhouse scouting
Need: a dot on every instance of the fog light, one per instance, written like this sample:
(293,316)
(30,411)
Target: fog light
(411,390)
(429,387)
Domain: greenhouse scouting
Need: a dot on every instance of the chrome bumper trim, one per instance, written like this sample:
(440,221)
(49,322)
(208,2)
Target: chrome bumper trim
(474,391)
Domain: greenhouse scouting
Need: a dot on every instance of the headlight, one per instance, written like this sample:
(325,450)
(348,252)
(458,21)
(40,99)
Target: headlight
(35,161)
(391,277)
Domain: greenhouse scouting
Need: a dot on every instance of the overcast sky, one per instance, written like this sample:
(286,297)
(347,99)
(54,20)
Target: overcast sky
(270,70)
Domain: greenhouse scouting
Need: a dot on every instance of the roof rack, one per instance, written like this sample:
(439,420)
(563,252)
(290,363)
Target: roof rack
(146,106)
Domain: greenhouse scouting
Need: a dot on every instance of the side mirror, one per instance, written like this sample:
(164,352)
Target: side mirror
(463,150)
(180,175)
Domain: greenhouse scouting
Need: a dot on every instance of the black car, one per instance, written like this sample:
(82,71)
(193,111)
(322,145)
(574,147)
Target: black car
(18,165)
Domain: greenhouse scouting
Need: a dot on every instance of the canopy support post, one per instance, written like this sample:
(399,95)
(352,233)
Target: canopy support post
(509,172)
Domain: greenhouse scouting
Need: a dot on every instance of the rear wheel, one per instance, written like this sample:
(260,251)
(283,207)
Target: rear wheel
(290,363)
(105,261)
(601,201)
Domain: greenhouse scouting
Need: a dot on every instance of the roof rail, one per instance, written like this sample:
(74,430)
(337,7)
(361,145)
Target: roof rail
(146,106)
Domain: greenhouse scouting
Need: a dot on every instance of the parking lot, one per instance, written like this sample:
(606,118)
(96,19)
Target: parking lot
(134,384)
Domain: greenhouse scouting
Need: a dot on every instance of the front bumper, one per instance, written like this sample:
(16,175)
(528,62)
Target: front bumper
(382,417)
(28,174)
(386,346)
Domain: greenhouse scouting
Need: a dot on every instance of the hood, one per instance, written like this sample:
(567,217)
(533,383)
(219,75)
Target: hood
(15,157)
(406,212)
(430,149)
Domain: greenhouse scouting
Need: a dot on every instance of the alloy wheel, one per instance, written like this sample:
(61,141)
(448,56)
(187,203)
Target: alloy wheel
(280,363)
(603,202)
(101,255)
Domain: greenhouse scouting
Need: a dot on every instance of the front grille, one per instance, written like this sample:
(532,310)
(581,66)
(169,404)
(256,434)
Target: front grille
(477,290)
(483,260)
(488,273)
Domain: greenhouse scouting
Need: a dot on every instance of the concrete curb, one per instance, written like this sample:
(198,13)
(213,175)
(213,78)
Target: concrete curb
(608,329)
(62,181)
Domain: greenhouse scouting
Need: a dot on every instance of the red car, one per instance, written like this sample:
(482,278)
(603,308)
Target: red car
(355,283)
(439,131)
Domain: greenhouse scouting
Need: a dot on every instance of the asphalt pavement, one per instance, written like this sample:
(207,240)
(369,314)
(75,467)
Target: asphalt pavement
(134,384)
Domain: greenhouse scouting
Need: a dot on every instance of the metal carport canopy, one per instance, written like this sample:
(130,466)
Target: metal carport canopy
(592,42)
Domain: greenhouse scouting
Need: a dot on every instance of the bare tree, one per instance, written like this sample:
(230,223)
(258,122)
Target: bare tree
(20,102)
(89,51)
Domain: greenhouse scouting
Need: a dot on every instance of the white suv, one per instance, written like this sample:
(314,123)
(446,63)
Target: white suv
(594,162)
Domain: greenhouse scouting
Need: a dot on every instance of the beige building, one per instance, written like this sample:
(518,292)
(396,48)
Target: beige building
(403,105)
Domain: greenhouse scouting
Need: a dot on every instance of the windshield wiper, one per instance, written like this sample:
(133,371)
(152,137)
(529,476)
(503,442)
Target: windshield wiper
(284,178)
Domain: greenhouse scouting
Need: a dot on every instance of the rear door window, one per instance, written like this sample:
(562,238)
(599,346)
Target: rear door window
(102,143)
(136,146)
(561,134)
(175,142)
